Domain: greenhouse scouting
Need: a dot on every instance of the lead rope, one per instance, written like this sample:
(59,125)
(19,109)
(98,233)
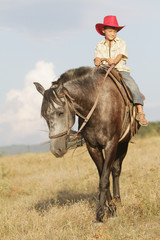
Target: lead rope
(94,106)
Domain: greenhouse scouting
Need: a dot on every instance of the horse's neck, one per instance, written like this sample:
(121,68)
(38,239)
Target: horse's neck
(82,99)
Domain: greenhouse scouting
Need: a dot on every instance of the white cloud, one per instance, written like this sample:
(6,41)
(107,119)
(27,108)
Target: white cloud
(22,116)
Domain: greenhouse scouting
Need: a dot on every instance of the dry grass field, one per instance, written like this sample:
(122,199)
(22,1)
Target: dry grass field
(44,198)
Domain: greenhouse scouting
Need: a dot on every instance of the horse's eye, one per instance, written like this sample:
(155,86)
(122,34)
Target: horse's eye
(60,114)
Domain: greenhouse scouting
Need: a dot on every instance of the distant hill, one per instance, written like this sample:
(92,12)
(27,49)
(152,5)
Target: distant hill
(18,149)
(153,129)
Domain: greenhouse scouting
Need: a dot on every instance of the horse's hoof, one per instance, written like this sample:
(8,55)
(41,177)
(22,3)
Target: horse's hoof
(100,214)
(117,199)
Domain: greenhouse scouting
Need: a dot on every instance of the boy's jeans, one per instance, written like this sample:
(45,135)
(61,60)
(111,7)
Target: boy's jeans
(131,84)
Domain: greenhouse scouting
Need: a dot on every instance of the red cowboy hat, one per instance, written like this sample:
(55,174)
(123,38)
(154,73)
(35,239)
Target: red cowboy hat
(110,21)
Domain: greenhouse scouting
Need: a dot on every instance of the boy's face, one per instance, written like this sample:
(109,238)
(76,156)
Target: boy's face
(110,33)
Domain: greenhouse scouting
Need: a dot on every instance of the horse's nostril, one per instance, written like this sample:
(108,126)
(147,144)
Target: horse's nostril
(59,150)
(57,153)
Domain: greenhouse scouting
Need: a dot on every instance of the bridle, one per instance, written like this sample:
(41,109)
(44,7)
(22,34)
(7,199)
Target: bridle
(66,96)
(67,132)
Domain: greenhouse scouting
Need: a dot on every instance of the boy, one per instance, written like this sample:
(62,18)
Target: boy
(114,50)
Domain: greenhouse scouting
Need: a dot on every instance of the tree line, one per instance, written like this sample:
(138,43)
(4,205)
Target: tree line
(153,129)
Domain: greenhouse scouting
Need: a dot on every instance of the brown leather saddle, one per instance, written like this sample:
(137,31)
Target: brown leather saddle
(116,76)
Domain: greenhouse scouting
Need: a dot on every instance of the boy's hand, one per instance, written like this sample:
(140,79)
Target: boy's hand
(97,61)
(110,61)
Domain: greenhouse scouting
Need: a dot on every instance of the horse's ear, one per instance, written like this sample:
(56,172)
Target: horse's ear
(39,87)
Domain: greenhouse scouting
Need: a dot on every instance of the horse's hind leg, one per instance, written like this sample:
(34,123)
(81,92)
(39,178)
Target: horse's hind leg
(116,169)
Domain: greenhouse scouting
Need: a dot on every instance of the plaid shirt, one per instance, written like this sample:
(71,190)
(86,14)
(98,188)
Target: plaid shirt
(102,50)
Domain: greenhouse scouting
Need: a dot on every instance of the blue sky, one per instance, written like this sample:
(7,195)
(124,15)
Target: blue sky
(40,39)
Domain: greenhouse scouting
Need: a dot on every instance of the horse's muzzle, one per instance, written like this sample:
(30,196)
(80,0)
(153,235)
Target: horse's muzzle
(58,153)
(58,147)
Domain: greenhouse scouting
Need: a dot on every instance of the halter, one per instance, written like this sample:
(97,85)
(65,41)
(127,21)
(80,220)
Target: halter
(65,95)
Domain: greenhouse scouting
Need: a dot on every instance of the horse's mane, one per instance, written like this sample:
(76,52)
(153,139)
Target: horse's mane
(77,75)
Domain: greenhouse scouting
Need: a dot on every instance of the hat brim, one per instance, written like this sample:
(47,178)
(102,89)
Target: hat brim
(99,28)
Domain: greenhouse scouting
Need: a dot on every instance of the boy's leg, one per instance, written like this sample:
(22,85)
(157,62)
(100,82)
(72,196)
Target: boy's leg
(137,99)
(132,85)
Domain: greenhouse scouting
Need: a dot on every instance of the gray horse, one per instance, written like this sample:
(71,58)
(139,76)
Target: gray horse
(108,128)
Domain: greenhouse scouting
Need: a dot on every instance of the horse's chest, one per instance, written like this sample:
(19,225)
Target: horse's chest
(95,138)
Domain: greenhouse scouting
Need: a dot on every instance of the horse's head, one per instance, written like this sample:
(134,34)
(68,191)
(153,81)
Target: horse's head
(58,115)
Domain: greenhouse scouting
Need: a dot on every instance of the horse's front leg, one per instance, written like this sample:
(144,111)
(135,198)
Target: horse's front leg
(97,156)
(104,186)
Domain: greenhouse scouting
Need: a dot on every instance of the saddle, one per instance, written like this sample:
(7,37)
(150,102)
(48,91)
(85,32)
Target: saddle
(115,75)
